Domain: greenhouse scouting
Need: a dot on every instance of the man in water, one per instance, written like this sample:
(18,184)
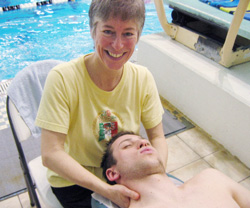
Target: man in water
(132,161)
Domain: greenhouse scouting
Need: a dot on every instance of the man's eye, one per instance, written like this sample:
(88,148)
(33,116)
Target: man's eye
(127,146)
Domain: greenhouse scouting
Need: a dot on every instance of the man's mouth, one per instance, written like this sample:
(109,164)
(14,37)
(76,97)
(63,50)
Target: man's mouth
(146,150)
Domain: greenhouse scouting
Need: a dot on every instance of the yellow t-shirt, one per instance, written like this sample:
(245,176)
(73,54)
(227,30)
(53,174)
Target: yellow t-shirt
(72,104)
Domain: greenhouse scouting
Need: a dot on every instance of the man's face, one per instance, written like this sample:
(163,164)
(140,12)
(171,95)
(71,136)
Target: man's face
(135,156)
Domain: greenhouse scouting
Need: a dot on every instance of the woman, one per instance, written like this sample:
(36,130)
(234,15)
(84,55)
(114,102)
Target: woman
(88,100)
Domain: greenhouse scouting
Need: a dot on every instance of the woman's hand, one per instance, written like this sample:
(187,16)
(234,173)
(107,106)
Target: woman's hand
(121,195)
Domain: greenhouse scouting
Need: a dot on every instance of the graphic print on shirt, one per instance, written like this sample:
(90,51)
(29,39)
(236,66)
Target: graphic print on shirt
(108,125)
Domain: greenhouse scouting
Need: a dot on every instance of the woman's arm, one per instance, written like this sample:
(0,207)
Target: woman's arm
(157,139)
(55,158)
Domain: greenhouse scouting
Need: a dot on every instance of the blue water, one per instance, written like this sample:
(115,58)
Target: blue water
(59,31)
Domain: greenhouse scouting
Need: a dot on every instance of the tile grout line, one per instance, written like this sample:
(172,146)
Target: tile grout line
(248,177)
(190,164)
(202,157)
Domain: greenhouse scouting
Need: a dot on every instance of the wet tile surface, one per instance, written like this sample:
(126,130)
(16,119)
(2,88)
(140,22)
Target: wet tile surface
(24,199)
(11,202)
(246,183)
(179,154)
(229,165)
(201,143)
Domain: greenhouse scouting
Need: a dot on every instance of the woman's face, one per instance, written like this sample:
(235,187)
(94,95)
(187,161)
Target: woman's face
(115,42)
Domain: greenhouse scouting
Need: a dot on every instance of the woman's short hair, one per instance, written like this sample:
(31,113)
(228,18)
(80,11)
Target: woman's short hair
(124,9)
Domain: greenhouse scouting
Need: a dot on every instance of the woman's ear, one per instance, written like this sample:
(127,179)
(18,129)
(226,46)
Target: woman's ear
(112,174)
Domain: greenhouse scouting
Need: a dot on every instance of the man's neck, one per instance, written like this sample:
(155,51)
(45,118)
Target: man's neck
(151,187)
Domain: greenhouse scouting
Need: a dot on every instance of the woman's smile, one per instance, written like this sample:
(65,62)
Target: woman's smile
(115,55)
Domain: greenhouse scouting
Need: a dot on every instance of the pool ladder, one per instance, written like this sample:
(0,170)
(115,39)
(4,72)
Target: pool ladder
(225,54)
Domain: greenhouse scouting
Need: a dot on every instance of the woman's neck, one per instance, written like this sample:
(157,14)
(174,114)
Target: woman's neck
(104,78)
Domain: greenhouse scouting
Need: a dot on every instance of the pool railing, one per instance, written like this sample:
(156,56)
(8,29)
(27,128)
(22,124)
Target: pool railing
(231,49)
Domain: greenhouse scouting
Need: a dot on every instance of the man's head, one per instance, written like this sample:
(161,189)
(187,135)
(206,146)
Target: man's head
(108,160)
(129,156)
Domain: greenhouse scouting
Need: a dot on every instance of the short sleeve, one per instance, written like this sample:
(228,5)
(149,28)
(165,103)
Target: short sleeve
(53,112)
(152,109)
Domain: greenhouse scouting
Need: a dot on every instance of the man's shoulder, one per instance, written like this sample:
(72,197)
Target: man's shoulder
(210,172)
(209,176)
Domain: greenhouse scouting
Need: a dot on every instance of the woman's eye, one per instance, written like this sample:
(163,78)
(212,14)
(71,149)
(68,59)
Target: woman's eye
(108,32)
(128,34)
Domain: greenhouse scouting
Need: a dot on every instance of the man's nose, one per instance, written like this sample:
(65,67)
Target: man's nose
(117,43)
(143,143)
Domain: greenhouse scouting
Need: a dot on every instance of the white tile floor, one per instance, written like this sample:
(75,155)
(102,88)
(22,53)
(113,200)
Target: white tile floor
(190,152)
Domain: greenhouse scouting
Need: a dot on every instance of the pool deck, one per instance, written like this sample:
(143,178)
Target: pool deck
(190,152)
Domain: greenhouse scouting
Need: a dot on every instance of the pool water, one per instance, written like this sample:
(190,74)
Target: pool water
(55,31)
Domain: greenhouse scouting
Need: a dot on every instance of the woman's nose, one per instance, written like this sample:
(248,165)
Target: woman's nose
(117,43)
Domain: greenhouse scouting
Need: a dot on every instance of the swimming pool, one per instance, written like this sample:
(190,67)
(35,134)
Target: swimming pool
(54,31)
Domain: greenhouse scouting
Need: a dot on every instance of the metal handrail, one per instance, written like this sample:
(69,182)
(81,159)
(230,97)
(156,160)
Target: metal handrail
(227,49)
(189,38)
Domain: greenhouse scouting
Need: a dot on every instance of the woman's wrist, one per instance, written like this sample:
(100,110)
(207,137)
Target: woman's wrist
(102,188)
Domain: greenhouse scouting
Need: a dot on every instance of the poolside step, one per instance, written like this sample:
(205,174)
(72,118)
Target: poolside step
(210,14)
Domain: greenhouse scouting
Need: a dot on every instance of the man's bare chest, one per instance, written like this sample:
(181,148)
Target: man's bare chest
(195,200)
